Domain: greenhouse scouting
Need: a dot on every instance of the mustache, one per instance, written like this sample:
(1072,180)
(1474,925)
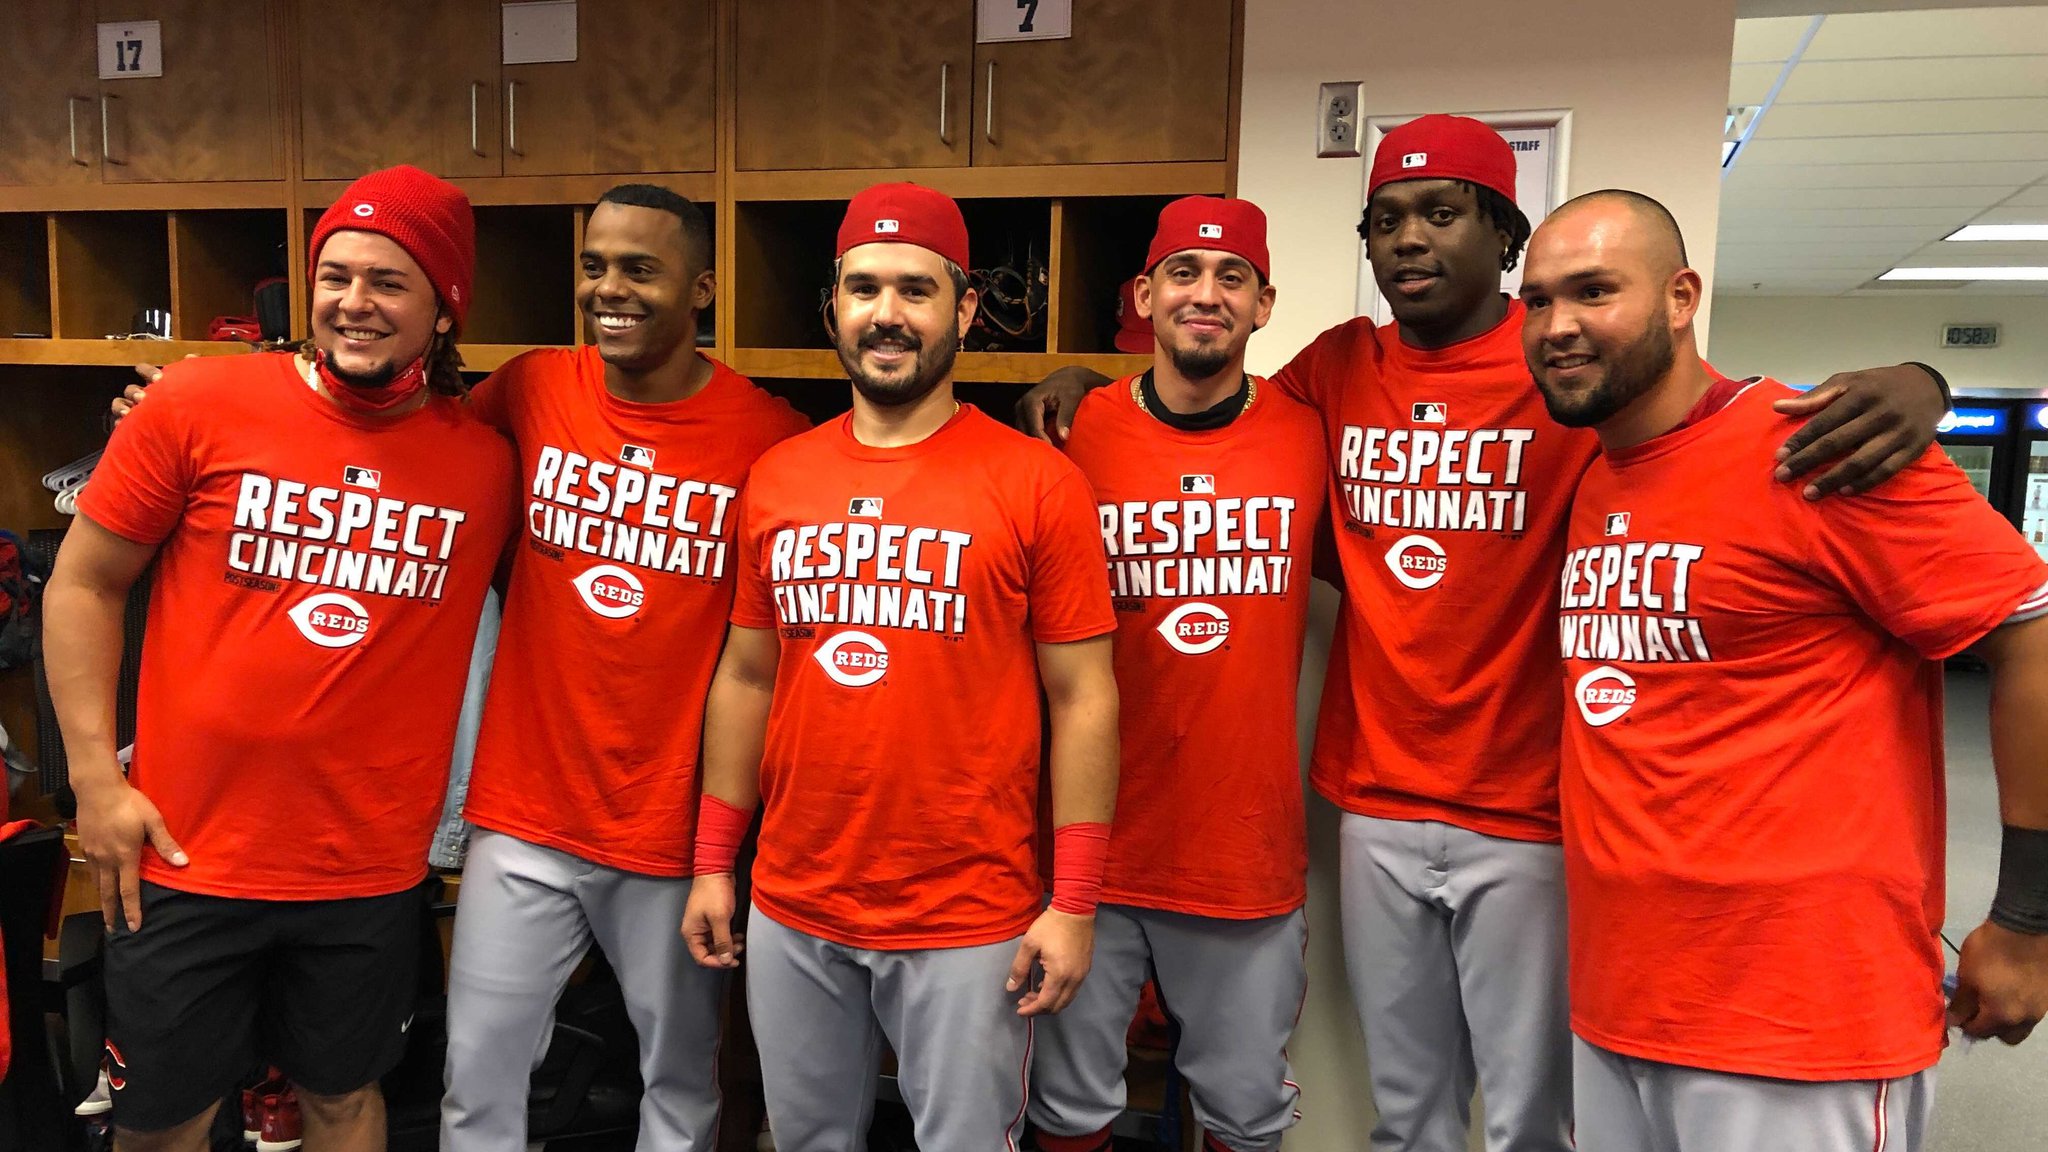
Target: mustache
(874,337)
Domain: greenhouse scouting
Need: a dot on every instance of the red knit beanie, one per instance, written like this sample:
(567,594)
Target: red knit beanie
(425,215)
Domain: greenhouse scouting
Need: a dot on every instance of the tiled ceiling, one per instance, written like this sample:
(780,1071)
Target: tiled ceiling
(1890,131)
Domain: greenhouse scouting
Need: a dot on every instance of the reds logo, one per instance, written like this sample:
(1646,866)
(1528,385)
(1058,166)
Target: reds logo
(331,620)
(1604,695)
(1417,561)
(1195,628)
(853,658)
(611,591)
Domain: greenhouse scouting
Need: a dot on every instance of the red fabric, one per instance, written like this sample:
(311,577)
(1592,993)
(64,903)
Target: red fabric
(910,588)
(383,398)
(1717,396)
(905,214)
(427,216)
(1209,536)
(1753,778)
(620,589)
(1214,223)
(1133,332)
(1091,1142)
(318,580)
(1450,489)
(720,829)
(1439,147)
(1079,851)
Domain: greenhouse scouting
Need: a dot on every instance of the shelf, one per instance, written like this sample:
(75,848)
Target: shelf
(978,367)
(217,258)
(147,197)
(113,353)
(580,191)
(24,274)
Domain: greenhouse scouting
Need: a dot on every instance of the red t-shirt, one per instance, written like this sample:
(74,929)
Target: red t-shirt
(910,588)
(1209,536)
(315,597)
(1753,783)
(1449,487)
(616,608)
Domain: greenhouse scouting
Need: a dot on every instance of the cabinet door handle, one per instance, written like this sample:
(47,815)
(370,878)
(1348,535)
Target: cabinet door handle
(945,129)
(107,131)
(71,104)
(988,127)
(512,118)
(475,87)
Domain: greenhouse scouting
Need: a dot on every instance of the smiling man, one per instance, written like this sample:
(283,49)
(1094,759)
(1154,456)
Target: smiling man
(1210,488)
(910,576)
(324,527)
(1753,776)
(633,450)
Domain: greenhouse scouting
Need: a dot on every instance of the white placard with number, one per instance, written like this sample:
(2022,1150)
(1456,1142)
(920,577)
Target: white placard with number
(132,50)
(1000,21)
(1542,144)
(540,33)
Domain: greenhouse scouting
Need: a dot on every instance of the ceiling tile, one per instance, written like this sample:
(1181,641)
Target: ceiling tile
(1964,32)
(1901,118)
(1896,175)
(1768,39)
(1740,198)
(1973,147)
(1933,78)
(1748,84)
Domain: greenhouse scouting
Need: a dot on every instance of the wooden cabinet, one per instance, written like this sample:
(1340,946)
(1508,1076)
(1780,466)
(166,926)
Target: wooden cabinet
(212,115)
(825,84)
(1138,81)
(385,82)
(49,101)
(641,95)
(845,84)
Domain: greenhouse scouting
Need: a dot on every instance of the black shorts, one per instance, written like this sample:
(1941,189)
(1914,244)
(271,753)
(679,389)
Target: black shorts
(213,987)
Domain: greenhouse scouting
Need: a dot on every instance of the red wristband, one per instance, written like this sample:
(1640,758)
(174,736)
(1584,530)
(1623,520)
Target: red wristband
(720,828)
(1079,854)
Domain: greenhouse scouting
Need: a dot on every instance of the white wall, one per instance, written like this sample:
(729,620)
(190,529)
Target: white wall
(1648,87)
(1803,340)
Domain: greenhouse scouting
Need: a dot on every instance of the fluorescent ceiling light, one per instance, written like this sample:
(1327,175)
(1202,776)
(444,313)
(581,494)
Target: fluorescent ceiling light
(1728,149)
(2024,274)
(1999,232)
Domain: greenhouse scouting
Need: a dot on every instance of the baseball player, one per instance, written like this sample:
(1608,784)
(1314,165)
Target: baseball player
(909,576)
(1209,485)
(1753,763)
(1440,720)
(324,527)
(632,452)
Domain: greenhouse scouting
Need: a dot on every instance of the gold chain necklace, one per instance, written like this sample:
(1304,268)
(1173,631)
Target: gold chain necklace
(1251,393)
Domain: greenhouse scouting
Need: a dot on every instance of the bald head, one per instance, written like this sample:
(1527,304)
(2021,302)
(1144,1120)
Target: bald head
(1610,302)
(1653,236)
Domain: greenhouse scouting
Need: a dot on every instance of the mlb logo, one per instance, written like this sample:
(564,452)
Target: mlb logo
(1209,231)
(1427,413)
(1414,159)
(637,456)
(887,227)
(1617,523)
(865,507)
(1198,485)
(362,477)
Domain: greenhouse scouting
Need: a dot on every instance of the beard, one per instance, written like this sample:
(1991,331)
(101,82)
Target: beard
(930,364)
(377,377)
(1199,361)
(1626,374)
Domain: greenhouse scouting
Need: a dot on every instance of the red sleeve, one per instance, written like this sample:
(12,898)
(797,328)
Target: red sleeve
(490,400)
(1316,373)
(753,600)
(1927,558)
(139,489)
(1069,571)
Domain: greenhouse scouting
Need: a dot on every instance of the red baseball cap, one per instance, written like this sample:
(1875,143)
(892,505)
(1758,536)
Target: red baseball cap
(905,214)
(1439,147)
(1133,332)
(1233,226)
(423,214)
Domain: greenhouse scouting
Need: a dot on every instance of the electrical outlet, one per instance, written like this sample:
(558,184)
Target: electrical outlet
(1337,118)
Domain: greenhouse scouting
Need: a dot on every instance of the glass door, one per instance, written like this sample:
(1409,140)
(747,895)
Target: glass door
(1975,460)
(2034,498)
